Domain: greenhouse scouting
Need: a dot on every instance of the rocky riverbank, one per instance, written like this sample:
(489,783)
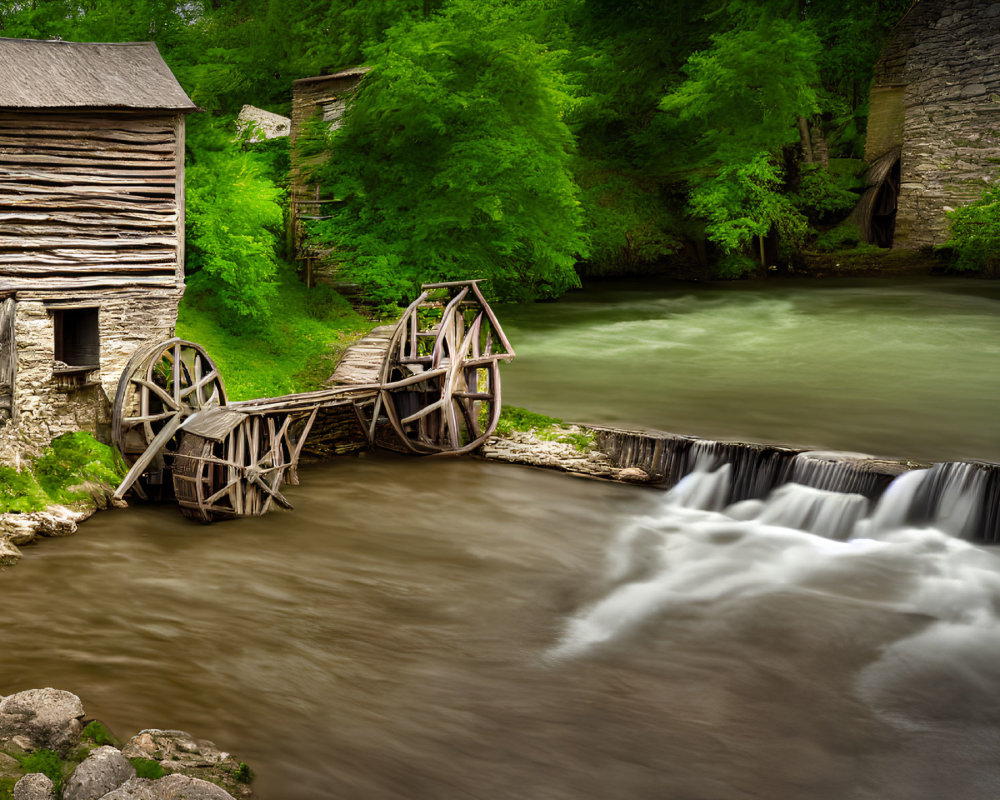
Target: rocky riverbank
(49,750)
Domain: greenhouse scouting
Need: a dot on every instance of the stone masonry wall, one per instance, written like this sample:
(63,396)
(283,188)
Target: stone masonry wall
(951,129)
(44,406)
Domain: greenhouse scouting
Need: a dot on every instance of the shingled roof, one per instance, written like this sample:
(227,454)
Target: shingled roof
(54,74)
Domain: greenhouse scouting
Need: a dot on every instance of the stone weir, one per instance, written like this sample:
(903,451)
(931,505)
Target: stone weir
(938,493)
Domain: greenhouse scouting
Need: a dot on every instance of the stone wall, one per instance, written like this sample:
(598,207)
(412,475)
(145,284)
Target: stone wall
(46,406)
(945,57)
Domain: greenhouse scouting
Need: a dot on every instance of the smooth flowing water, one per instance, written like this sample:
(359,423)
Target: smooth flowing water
(908,369)
(423,628)
(459,629)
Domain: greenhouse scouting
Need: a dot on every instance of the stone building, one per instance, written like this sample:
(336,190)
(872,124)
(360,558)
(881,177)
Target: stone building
(91,228)
(321,97)
(934,126)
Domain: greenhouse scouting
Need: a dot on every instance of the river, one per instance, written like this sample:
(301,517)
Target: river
(893,367)
(435,628)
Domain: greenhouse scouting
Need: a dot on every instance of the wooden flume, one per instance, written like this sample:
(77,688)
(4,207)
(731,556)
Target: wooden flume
(436,391)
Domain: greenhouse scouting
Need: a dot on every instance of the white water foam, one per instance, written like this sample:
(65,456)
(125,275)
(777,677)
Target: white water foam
(695,556)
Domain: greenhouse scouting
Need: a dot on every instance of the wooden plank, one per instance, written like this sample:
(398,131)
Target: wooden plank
(92,202)
(124,219)
(109,169)
(85,192)
(84,178)
(95,148)
(57,242)
(87,280)
(131,159)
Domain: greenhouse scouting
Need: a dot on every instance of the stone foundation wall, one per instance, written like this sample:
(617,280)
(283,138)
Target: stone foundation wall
(46,406)
(945,55)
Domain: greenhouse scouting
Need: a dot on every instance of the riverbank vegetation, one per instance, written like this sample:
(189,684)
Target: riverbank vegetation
(530,143)
(69,471)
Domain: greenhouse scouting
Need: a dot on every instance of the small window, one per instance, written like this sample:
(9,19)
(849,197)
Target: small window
(77,343)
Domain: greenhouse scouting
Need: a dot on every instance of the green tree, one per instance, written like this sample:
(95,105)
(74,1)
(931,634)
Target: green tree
(737,110)
(454,160)
(233,220)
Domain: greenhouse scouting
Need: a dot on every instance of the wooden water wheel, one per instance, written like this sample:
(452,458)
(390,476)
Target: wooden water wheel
(230,464)
(162,385)
(440,381)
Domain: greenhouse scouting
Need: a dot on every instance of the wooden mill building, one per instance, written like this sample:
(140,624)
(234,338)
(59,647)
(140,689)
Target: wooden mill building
(91,228)
(322,97)
(934,126)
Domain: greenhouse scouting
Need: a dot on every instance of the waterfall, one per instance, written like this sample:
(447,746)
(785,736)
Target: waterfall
(840,472)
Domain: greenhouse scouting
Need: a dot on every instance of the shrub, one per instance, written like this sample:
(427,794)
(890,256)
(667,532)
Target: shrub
(97,732)
(974,241)
(75,458)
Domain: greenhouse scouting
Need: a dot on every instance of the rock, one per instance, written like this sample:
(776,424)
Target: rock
(171,787)
(10,767)
(9,554)
(179,751)
(35,786)
(632,475)
(103,771)
(41,718)
(174,749)
(59,520)
(18,528)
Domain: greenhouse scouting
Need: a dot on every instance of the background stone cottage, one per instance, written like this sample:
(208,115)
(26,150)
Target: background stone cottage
(91,228)
(934,126)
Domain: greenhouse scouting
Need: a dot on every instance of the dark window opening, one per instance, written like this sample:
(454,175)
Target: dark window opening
(883,226)
(77,343)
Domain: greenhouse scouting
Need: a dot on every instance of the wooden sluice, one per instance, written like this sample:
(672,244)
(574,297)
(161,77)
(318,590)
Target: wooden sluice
(430,384)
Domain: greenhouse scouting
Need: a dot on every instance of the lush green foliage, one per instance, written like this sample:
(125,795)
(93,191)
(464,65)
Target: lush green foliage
(97,732)
(454,161)
(293,351)
(233,220)
(508,140)
(70,460)
(48,763)
(147,768)
(73,459)
(974,241)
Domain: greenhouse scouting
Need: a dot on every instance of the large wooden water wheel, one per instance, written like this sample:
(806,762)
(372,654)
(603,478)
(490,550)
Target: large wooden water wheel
(440,381)
(162,385)
(231,464)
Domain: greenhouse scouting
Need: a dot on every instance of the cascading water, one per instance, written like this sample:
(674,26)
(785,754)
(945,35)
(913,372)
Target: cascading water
(703,548)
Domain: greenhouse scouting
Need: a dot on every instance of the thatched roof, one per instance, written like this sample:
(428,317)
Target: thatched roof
(54,74)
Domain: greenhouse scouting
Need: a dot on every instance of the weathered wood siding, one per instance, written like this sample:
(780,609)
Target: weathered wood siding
(8,359)
(90,201)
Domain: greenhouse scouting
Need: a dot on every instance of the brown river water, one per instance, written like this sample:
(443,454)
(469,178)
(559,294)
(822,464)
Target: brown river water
(460,629)
(436,628)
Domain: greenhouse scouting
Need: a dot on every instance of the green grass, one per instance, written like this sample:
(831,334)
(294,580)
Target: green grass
(148,768)
(7,788)
(46,762)
(294,351)
(71,459)
(97,732)
(513,419)
(548,429)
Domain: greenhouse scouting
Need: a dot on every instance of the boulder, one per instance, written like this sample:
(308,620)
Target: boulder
(171,787)
(179,751)
(104,770)
(41,718)
(34,786)
(174,749)
(18,528)
(9,554)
